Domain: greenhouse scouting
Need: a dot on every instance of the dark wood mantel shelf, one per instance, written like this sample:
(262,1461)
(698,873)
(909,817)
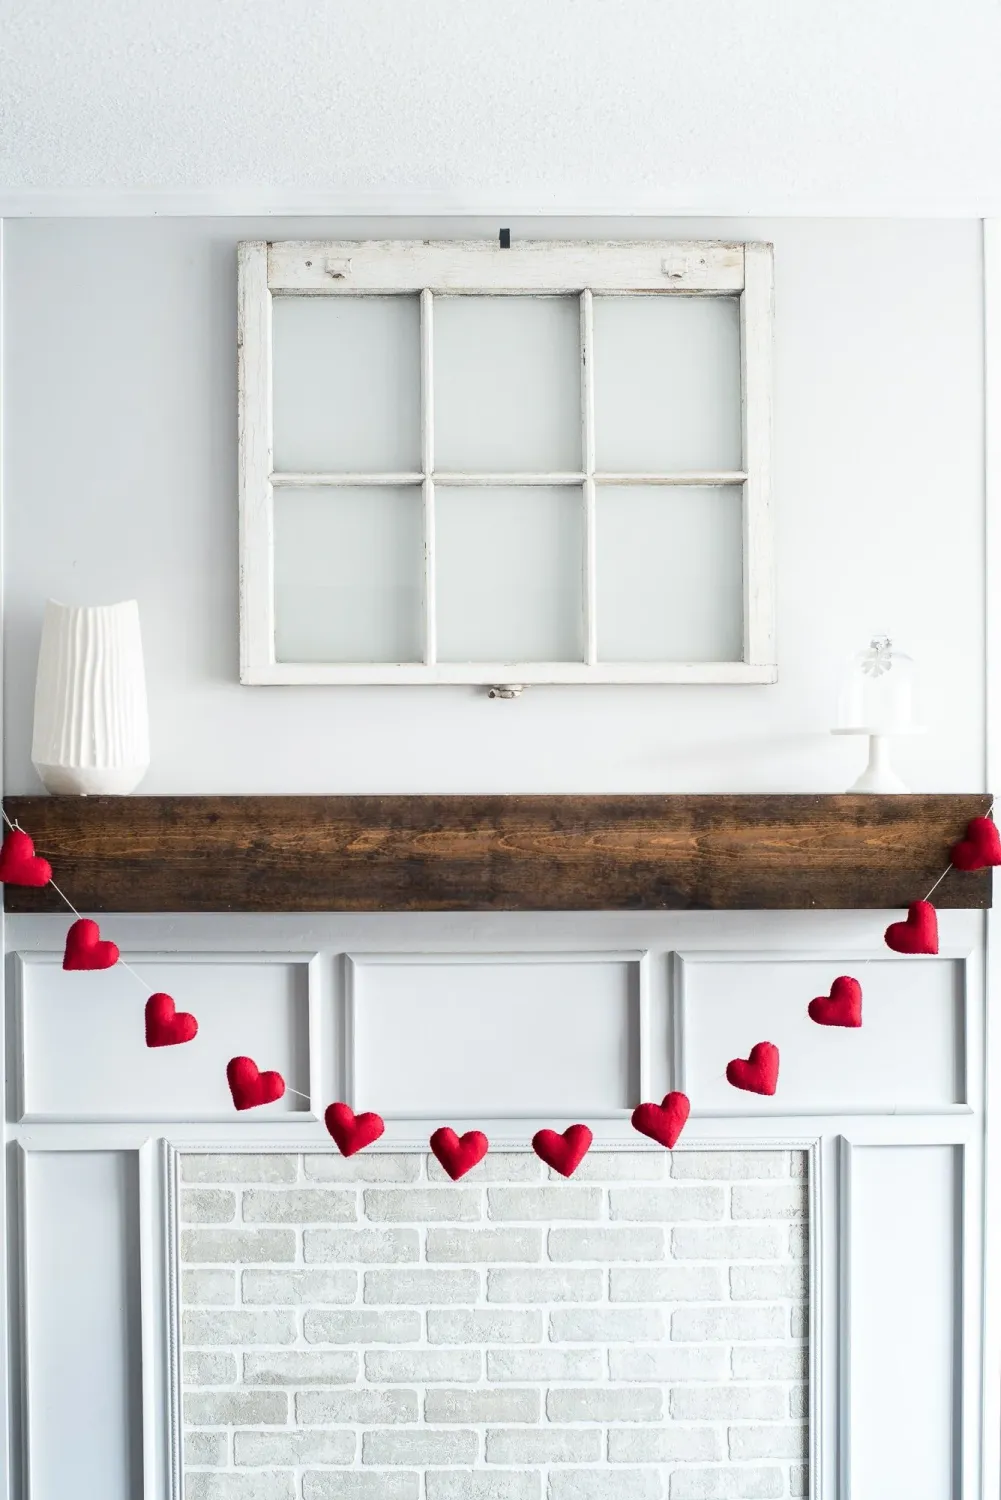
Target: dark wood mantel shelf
(542,853)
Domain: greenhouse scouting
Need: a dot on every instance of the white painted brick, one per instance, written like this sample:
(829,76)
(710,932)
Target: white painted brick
(765,1283)
(722,1403)
(300,1367)
(799,1241)
(667,1205)
(799,1321)
(493,1245)
(367,1166)
(422,1205)
(361,1327)
(398,1365)
(368,1245)
(203,1486)
(544,1445)
(552,1203)
(799,1479)
(659,1445)
(668,1362)
(769,1201)
(726,1484)
(208,1288)
(359,1407)
(482,1406)
(233,1245)
(544,1364)
(267,1450)
(799,1164)
(634,1403)
(235,1408)
(402,1446)
(207,1206)
(799,1401)
(592,1484)
(423,1288)
(239,1167)
(386,1486)
(619,1166)
(497,1166)
(729,1166)
(667,1284)
(606,1325)
(238,1328)
(743,1324)
(774,1362)
(727,1242)
(774,1441)
(485,1325)
(200,1368)
(299,1288)
(605,1245)
(544,1286)
(299,1206)
(205,1450)
(515,1484)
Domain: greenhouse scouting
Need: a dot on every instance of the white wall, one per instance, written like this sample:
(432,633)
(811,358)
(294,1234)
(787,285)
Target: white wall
(865,106)
(120,480)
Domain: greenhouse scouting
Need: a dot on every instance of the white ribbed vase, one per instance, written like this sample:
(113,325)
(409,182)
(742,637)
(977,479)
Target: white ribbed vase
(91,720)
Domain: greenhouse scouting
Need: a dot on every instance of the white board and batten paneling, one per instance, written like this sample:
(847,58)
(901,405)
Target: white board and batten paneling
(82,1053)
(501,1023)
(541,464)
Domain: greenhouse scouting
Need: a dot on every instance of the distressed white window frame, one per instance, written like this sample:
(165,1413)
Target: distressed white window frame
(339,268)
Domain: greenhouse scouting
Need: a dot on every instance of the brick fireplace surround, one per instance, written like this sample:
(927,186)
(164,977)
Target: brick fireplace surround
(365,1330)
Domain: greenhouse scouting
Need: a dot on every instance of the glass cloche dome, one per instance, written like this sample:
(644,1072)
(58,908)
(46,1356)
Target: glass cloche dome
(878,692)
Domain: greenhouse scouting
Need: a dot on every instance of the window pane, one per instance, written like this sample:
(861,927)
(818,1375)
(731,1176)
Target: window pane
(666,384)
(347,384)
(507,384)
(349,574)
(510,574)
(670,564)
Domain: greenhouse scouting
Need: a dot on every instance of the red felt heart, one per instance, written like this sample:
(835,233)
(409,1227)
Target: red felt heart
(981,846)
(85,948)
(352,1132)
(19,864)
(919,934)
(250,1087)
(458,1154)
(166,1026)
(663,1122)
(564,1153)
(843,1007)
(758,1073)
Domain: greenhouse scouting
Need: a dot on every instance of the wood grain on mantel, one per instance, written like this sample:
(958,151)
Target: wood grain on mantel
(541,853)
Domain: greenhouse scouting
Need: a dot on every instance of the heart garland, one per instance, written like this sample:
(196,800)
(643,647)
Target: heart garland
(352,1132)
(663,1122)
(19,864)
(918,934)
(842,1007)
(249,1086)
(166,1026)
(759,1072)
(458,1154)
(564,1153)
(85,949)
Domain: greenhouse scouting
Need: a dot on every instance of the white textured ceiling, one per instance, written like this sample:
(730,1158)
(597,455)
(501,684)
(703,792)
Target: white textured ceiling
(782,105)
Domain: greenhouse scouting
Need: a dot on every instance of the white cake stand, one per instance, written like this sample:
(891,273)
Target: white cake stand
(879,775)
